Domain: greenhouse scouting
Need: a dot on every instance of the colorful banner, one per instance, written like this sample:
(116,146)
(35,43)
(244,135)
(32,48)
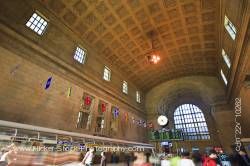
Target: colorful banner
(115,112)
(139,122)
(102,107)
(87,101)
(114,123)
(69,91)
(48,83)
(133,120)
(150,125)
(126,116)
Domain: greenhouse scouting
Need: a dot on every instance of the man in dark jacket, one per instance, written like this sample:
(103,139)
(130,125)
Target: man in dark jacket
(243,158)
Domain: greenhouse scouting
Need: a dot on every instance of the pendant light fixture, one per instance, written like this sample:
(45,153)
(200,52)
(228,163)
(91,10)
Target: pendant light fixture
(153,57)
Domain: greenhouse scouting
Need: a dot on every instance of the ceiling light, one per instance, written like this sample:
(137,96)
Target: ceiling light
(153,56)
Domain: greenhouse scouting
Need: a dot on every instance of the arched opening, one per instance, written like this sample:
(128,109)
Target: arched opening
(191,120)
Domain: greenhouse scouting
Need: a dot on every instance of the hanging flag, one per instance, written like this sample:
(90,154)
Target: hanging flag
(140,122)
(102,107)
(126,116)
(48,83)
(114,119)
(150,125)
(87,101)
(69,91)
(13,71)
(115,112)
(137,122)
(133,119)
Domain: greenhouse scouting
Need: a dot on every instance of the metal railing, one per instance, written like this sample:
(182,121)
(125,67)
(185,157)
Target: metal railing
(12,130)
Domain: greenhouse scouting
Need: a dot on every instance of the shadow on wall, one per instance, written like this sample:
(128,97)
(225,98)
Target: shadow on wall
(206,89)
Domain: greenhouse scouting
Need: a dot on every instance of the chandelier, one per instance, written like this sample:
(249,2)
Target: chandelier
(154,56)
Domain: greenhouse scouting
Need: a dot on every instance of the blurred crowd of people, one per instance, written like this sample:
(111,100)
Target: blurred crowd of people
(10,154)
(211,158)
(6,154)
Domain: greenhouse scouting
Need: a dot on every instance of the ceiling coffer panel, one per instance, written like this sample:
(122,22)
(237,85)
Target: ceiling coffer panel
(186,34)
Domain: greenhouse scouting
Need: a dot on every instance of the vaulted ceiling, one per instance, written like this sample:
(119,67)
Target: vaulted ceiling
(186,35)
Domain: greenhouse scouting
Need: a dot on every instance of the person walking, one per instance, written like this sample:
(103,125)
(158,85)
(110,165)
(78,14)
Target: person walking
(211,159)
(6,153)
(127,159)
(140,160)
(197,158)
(243,158)
(185,161)
(224,159)
(88,158)
(4,157)
(103,159)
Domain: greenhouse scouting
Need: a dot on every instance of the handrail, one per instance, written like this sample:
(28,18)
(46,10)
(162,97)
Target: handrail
(62,132)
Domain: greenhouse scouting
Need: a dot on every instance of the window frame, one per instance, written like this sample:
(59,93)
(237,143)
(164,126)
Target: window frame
(226,58)
(83,120)
(78,56)
(106,73)
(39,14)
(125,87)
(223,76)
(191,120)
(138,97)
(231,29)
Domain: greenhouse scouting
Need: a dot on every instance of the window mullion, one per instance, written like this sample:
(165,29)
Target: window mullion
(190,119)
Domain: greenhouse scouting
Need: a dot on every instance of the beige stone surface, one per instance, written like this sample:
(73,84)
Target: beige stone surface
(189,34)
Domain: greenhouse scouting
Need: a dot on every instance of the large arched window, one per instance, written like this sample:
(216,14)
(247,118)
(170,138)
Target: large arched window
(190,119)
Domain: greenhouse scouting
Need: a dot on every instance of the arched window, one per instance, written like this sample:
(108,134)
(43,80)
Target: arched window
(191,120)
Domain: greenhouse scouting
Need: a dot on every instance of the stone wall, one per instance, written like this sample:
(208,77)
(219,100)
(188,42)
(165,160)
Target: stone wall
(208,93)
(24,99)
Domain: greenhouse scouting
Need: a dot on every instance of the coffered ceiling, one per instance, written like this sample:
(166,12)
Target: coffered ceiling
(186,35)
